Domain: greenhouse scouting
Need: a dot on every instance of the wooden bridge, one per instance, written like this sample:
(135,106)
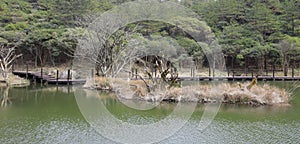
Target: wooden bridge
(242,78)
(40,77)
(48,79)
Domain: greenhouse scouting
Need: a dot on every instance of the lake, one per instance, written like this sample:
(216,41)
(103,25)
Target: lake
(56,115)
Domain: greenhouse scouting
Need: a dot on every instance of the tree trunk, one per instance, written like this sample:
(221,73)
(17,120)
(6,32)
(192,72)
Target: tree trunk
(232,62)
(285,69)
(265,63)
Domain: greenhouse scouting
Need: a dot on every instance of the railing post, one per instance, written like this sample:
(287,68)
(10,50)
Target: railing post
(194,72)
(57,73)
(68,78)
(233,75)
(214,72)
(41,72)
(293,71)
(299,71)
(26,71)
(273,72)
(34,79)
(41,75)
(228,72)
(136,73)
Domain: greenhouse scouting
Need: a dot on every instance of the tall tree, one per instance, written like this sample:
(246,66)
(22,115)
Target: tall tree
(290,48)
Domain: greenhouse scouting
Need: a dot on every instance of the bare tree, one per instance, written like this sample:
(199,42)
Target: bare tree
(109,57)
(7,56)
(159,71)
(105,48)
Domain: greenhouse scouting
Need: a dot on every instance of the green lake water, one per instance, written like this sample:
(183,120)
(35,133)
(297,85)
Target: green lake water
(52,115)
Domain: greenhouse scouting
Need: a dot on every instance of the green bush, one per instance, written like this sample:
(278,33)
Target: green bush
(11,36)
(17,26)
(5,19)
(10,27)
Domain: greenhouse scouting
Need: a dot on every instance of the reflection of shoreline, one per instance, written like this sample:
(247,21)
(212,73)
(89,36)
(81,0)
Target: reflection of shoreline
(64,89)
(257,110)
(109,97)
(241,111)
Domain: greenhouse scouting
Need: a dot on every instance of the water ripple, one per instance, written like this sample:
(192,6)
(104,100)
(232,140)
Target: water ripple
(220,131)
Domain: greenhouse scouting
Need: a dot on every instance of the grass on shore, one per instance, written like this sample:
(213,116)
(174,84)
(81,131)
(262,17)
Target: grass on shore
(14,81)
(223,92)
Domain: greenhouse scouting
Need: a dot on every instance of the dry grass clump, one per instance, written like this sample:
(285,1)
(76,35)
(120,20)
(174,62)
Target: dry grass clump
(222,92)
(138,86)
(258,95)
(102,81)
(129,89)
(14,81)
(174,94)
(99,83)
(267,94)
(229,93)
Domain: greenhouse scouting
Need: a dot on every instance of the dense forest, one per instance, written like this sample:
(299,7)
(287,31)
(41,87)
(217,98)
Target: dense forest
(255,34)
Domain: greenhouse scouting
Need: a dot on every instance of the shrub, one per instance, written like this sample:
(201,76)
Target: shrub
(17,26)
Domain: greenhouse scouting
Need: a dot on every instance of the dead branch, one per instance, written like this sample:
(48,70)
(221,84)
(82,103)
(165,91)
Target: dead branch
(7,56)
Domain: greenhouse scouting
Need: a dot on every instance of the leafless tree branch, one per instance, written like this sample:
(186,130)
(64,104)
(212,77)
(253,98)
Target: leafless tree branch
(7,56)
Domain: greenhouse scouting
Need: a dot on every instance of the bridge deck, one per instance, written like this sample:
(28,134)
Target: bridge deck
(36,76)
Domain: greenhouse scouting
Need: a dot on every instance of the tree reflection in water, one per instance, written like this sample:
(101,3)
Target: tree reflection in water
(5,100)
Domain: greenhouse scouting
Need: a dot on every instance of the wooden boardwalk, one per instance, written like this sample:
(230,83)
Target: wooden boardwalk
(242,78)
(38,77)
(47,79)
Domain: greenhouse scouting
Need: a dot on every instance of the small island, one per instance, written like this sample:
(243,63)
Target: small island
(165,85)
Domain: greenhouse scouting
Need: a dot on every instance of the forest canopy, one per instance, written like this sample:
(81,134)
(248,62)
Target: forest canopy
(253,34)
